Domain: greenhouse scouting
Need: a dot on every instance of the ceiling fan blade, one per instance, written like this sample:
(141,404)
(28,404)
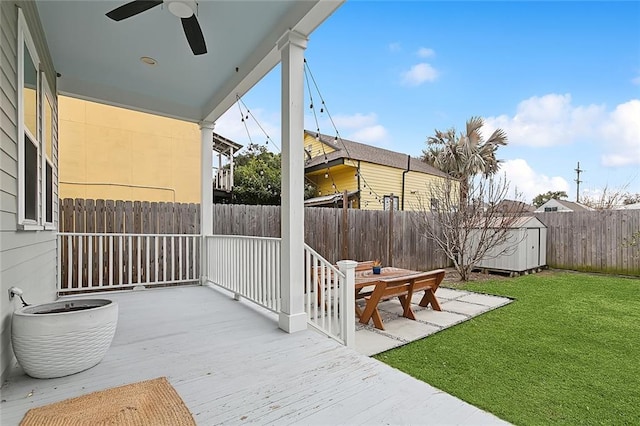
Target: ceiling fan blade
(132,8)
(194,35)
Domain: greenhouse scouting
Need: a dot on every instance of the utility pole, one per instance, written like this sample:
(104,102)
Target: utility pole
(578,182)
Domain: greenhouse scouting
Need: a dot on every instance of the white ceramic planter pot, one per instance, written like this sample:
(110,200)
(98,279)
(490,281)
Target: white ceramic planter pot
(62,338)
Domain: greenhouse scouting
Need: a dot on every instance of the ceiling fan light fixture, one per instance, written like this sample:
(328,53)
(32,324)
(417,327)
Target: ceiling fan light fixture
(181,8)
(148,60)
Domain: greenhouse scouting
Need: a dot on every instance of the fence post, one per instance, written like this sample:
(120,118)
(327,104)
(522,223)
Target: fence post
(345,225)
(390,227)
(348,299)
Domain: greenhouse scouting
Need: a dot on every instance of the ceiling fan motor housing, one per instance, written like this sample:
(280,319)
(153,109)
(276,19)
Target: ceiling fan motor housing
(181,8)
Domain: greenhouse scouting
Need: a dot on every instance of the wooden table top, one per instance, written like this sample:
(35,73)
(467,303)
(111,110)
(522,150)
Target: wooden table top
(368,277)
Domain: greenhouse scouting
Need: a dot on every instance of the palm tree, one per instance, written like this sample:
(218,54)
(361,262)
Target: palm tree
(466,155)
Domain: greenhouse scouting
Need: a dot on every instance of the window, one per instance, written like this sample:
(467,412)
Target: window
(550,209)
(35,137)
(387,202)
(47,155)
(435,204)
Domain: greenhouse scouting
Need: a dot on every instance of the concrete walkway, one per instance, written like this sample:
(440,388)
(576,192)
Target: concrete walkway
(457,306)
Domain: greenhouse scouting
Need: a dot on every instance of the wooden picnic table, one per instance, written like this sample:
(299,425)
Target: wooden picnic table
(395,282)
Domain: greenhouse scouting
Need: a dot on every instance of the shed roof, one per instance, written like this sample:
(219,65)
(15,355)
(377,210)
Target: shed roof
(347,149)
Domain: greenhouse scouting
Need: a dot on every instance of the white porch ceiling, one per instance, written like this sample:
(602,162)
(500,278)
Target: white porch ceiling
(99,59)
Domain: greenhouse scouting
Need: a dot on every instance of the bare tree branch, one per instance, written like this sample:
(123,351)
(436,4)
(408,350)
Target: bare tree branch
(468,231)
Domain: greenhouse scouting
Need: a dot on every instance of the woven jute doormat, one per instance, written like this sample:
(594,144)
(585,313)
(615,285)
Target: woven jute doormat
(152,402)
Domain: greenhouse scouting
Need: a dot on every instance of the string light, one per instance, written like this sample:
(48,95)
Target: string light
(310,78)
(245,117)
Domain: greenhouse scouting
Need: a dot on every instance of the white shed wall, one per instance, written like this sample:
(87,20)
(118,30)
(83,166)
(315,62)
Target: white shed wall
(527,250)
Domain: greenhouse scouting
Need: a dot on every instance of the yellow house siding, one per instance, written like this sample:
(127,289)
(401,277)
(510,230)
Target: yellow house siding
(114,153)
(420,188)
(314,147)
(378,180)
(344,178)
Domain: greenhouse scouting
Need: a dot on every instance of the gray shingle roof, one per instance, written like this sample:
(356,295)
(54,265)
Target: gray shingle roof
(573,206)
(347,149)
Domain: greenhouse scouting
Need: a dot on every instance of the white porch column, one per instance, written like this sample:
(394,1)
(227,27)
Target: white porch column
(292,316)
(206,194)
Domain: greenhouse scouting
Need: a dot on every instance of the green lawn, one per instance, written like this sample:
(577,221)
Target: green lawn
(566,351)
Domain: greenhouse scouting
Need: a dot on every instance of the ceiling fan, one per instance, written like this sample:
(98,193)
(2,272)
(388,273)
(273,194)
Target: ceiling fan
(183,9)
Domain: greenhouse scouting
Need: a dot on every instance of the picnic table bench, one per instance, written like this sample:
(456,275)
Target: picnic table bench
(395,282)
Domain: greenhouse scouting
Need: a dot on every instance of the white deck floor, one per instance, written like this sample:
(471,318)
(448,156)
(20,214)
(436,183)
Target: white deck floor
(232,365)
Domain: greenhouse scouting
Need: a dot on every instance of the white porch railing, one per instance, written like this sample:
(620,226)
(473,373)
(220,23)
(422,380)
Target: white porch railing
(102,261)
(247,266)
(223,179)
(330,297)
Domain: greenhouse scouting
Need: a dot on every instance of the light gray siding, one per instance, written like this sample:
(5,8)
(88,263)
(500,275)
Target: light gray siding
(27,258)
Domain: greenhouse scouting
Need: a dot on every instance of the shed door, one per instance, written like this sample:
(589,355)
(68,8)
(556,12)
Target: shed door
(533,248)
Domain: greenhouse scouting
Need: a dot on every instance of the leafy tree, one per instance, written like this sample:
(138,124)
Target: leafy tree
(540,199)
(465,155)
(257,177)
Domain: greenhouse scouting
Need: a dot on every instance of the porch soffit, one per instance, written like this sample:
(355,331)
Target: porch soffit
(99,59)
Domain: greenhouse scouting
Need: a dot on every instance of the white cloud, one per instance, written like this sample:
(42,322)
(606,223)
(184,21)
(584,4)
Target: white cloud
(362,128)
(395,47)
(425,52)
(552,120)
(419,74)
(231,126)
(355,121)
(526,181)
(374,135)
(546,121)
(621,131)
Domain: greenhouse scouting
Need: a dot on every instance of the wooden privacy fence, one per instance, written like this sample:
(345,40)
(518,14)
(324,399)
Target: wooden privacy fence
(107,244)
(128,217)
(340,234)
(594,241)
(587,241)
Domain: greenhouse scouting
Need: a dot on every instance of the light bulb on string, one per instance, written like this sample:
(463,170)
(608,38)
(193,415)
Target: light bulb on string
(326,175)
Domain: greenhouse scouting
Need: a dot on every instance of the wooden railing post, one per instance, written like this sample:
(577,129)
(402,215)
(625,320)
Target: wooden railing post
(345,226)
(348,300)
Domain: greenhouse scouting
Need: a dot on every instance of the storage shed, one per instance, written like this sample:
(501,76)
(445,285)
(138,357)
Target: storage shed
(528,235)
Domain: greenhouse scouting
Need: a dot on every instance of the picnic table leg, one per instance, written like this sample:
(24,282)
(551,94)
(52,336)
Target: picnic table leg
(406,305)
(371,309)
(430,297)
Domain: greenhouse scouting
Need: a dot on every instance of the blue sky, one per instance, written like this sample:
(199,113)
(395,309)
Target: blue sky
(561,78)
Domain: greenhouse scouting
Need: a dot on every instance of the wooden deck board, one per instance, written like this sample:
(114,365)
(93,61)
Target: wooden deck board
(231,364)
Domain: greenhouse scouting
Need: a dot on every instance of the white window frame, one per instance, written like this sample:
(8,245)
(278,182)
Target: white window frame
(47,96)
(388,199)
(25,40)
